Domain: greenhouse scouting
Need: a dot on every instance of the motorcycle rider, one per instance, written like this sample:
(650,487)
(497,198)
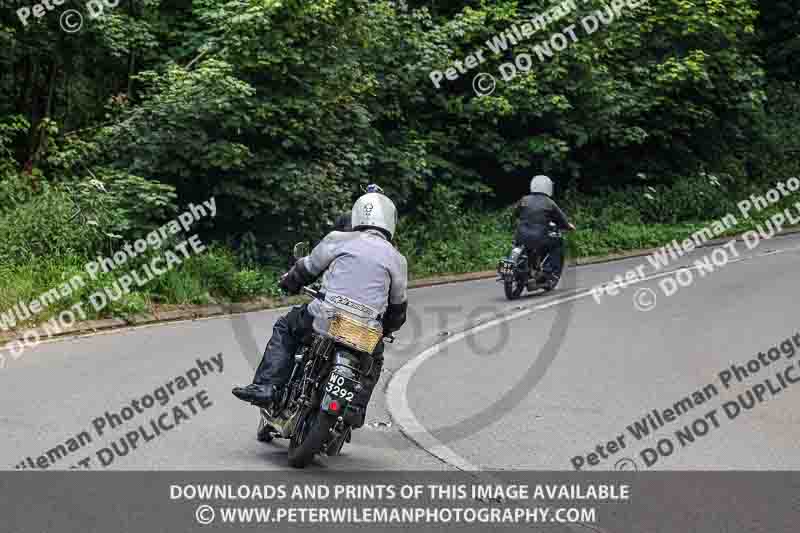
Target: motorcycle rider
(363,267)
(534,213)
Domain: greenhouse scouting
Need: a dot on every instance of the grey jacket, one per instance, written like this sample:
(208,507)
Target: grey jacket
(364,274)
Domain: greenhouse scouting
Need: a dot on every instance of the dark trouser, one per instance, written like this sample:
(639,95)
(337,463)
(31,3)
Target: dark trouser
(288,333)
(540,244)
(294,329)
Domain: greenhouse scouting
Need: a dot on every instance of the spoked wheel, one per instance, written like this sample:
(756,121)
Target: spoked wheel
(311,434)
(264,430)
(513,287)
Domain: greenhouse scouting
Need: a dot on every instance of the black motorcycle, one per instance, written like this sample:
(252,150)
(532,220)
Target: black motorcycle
(519,272)
(313,409)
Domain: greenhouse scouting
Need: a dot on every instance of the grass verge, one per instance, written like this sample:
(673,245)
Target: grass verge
(215,277)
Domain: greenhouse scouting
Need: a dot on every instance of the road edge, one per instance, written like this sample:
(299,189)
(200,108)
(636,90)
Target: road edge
(191,313)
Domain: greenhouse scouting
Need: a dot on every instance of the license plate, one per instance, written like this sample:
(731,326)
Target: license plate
(341,388)
(505,268)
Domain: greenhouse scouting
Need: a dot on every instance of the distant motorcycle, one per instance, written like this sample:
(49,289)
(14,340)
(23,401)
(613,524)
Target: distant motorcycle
(312,410)
(518,273)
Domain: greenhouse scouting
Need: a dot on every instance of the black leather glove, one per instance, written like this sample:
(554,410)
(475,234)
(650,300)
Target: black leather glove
(395,317)
(288,285)
(297,278)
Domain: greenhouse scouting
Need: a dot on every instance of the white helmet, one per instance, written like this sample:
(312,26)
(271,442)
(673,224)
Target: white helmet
(542,184)
(375,210)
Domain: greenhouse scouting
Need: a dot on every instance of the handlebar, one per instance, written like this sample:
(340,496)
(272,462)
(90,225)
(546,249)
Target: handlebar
(311,292)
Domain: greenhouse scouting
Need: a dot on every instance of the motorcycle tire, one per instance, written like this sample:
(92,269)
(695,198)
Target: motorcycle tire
(309,438)
(335,448)
(513,288)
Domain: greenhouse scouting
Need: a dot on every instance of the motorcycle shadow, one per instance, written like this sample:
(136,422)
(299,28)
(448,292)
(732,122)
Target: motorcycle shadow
(274,455)
(527,295)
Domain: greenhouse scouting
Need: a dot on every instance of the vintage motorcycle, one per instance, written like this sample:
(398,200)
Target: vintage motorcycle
(518,273)
(313,409)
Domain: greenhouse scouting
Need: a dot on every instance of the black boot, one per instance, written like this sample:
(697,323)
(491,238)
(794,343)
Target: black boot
(260,395)
(551,281)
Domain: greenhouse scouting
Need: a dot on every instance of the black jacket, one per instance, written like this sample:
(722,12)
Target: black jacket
(535,212)
(343,223)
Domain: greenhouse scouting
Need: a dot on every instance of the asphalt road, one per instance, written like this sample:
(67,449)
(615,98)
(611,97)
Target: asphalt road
(534,391)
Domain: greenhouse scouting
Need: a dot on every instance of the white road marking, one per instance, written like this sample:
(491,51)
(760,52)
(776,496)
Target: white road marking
(397,399)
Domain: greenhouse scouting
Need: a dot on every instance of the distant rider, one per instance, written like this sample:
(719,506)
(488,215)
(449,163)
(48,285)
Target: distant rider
(362,266)
(534,213)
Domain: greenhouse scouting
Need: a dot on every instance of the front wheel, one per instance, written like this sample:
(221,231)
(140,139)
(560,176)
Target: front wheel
(310,437)
(513,287)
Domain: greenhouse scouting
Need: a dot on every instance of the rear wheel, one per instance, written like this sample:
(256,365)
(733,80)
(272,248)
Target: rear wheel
(311,434)
(335,448)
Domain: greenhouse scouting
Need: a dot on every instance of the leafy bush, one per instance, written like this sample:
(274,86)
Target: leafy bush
(212,276)
(81,220)
(249,284)
(180,286)
(446,238)
(10,127)
(129,304)
(215,270)
(688,199)
(123,204)
(48,226)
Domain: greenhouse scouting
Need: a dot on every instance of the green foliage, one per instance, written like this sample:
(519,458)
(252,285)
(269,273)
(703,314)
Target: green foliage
(701,198)
(48,226)
(10,128)
(214,270)
(17,188)
(81,219)
(214,276)
(181,286)
(652,124)
(129,305)
(124,204)
(249,284)
(446,238)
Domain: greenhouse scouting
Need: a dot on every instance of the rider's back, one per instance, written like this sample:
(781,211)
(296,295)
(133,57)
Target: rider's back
(364,272)
(537,210)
